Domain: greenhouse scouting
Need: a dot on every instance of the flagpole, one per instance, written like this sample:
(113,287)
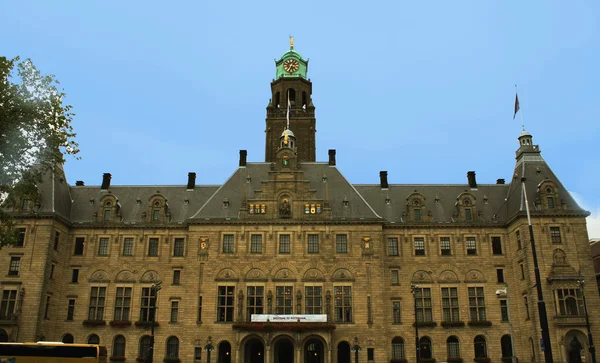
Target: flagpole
(520,112)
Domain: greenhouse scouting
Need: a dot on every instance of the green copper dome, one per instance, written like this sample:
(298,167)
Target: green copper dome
(291,64)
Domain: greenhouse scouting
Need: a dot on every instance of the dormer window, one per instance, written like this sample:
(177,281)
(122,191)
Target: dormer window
(417,214)
(25,204)
(548,195)
(107,215)
(550,201)
(468,215)
(307,209)
(155,214)
(251,209)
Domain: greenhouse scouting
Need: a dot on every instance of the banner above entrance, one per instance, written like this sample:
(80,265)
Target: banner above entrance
(300,318)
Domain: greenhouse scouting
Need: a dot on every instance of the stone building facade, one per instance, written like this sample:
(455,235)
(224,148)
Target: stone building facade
(327,265)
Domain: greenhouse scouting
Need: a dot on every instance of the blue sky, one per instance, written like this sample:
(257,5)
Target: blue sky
(422,89)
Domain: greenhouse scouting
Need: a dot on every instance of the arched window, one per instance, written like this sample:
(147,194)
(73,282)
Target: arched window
(172,347)
(425,347)
(145,342)
(119,346)
(277,99)
(68,338)
(4,336)
(398,348)
(292,96)
(506,345)
(453,347)
(93,339)
(304,99)
(480,347)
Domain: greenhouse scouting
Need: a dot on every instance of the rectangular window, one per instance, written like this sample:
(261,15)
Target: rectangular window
(174,311)
(199,317)
(450,304)
(284,299)
(341,243)
(477,304)
(284,243)
(519,245)
(197,353)
(392,246)
(178,247)
(313,302)
(155,214)
(227,243)
(255,301)
(52,268)
(107,215)
(103,247)
(500,275)
(71,310)
(419,246)
(504,309)
(256,243)
(445,246)
(24,204)
(370,354)
(74,275)
(396,312)
(153,247)
(225,303)
(47,309)
(496,245)
(343,304)
(128,247)
(471,246)
(526,307)
(398,349)
(15,264)
(9,302)
(122,304)
(468,215)
(395,277)
(570,302)
(176,277)
(417,212)
(20,237)
(555,234)
(56,240)
(522,271)
(423,304)
(147,304)
(79,243)
(550,202)
(313,243)
(97,300)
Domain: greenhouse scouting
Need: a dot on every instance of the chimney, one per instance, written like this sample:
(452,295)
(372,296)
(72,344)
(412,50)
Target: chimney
(79,183)
(191,180)
(105,181)
(243,154)
(383,179)
(500,181)
(472,180)
(331,156)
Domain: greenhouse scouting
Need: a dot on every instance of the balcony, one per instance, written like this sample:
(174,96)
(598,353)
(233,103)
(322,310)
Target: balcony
(570,320)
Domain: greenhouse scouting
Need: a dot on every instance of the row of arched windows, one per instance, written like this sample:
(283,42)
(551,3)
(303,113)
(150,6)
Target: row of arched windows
(118,346)
(452,347)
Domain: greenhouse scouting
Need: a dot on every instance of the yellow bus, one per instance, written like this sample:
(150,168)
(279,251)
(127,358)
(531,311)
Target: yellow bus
(52,352)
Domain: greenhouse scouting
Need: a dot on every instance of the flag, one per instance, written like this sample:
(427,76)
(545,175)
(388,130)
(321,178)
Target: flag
(289,107)
(517,107)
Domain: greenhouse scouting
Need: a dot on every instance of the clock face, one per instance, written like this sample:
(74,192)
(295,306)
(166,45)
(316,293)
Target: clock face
(291,65)
(203,245)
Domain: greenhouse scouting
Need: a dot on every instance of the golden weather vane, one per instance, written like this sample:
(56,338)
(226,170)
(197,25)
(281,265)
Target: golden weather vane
(291,42)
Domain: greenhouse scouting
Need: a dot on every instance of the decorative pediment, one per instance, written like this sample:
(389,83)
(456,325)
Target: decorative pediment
(448,276)
(226,274)
(284,274)
(150,276)
(422,276)
(256,274)
(474,276)
(99,276)
(313,274)
(125,276)
(342,274)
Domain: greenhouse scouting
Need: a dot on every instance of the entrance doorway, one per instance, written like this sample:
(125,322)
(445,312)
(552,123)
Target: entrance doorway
(314,352)
(254,351)
(343,352)
(224,353)
(575,350)
(284,351)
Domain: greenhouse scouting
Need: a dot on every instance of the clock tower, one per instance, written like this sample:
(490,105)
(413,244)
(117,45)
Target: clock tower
(291,100)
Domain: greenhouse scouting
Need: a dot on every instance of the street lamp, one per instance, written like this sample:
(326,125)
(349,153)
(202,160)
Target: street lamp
(209,348)
(592,349)
(504,293)
(154,289)
(356,348)
(413,290)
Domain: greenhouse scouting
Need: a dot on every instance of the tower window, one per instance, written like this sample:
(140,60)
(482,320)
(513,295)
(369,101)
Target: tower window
(292,96)
(277,99)
(304,99)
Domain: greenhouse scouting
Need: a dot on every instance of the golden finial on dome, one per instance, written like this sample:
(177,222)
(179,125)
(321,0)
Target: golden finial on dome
(291,42)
